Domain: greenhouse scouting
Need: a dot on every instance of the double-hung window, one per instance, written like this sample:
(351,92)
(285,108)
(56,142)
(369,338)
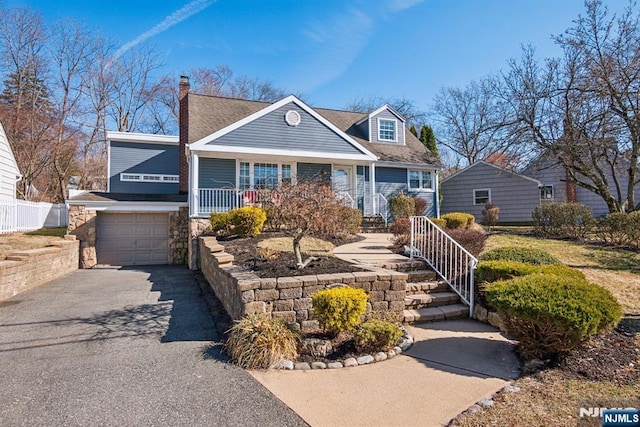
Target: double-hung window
(263,175)
(420,180)
(387,130)
(546,193)
(481,196)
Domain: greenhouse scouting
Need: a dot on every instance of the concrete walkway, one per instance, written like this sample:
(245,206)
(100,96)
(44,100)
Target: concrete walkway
(452,365)
(371,251)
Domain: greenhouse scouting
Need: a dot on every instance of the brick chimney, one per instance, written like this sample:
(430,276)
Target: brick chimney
(183,124)
(572,196)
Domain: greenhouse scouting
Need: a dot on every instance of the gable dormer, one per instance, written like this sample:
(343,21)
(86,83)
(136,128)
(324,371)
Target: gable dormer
(384,125)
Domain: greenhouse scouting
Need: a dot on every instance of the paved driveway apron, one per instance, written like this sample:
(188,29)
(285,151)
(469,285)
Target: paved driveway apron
(120,347)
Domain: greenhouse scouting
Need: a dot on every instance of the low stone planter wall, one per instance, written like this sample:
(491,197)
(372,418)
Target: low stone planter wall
(243,292)
(27,269)
(484,315)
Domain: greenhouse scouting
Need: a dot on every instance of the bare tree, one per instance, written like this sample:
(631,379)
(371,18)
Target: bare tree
(407,108)
(583,109)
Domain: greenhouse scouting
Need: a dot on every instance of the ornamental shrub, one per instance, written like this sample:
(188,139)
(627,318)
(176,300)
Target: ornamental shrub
(401,229)
(490,215)
(339,309)
(376,335)
(562,220)
(439,222)
(550,315)
(621,229)
(492,271)
(401,206)
(520,254)
(221,222)
(458,220)
(420,206)
(351,218)
(258,341)
(248,221)
(470,239)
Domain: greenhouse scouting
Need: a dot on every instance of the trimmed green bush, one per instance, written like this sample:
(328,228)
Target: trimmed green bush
(492,271)
(339,309)
(401,206)
(259,342)
(376,335)
(520,254)
(439,222)
(246,221)
(562,220)
(456,220)
(621,229)
(550,315)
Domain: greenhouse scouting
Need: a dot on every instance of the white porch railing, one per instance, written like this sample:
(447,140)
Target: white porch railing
(381,207)
(347,199)
(446,256)
(22,215)
(218,200)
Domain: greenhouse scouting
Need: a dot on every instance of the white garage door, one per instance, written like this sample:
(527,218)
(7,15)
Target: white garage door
(132,238)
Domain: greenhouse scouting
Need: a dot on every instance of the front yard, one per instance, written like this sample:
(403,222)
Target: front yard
(552,397)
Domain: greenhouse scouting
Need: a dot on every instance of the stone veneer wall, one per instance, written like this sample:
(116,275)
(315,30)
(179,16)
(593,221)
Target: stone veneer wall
(179,236)
(82,224)
(27,269)
(197,227)
(289,298)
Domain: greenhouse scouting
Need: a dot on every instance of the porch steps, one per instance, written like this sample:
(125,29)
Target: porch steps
(373,224)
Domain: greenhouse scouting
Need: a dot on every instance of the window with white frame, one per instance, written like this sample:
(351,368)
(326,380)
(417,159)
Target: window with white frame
(387,130)
(263,175)
(546,192)
(140,177)
(481,196)
(420,180)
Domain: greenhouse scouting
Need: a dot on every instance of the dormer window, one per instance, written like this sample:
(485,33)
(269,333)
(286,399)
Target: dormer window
(387,130)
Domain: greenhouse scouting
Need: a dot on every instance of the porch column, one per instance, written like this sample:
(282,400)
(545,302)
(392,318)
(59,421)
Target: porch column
(372,182)
(437,193)
(193,176)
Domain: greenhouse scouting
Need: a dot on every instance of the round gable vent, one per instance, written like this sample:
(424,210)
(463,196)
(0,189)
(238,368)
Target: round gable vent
(292,118)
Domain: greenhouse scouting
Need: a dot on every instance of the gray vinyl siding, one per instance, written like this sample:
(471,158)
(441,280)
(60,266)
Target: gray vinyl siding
(272,132)
(515,195)
(130,157)
(216,173)
(313,171)
(390,181)
(400,128)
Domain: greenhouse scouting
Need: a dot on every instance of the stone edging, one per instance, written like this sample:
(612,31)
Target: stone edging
(405,343)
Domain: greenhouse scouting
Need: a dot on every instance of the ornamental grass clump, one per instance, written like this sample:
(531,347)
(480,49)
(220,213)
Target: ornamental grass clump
(258,341)
(339,309)
(550,315)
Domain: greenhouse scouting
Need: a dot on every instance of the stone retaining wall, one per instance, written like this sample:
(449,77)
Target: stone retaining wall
(242,292)
(27,269)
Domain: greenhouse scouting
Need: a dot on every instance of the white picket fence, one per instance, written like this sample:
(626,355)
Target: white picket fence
(21,215)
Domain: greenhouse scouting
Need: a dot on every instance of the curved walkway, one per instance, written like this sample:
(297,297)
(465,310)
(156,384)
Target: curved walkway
(452,365)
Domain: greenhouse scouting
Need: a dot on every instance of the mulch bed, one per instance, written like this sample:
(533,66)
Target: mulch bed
(614,356)
(244,251)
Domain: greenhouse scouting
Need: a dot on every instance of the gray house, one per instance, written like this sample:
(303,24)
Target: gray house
(162,189)
(469,189)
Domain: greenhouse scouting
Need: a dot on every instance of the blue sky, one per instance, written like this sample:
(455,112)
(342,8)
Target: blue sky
(332,51)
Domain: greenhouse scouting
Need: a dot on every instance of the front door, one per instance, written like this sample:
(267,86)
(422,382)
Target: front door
(342,178)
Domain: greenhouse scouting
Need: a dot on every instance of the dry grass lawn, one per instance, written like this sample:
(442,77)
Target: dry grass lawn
(308,245)
(31,240)
(617,270)
(549,398)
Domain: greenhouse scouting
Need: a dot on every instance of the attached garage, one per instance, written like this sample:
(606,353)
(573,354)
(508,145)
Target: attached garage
(132,238)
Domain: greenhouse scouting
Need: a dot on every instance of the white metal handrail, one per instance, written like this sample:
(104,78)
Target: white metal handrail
(347,199)
(446,256)
(381,207)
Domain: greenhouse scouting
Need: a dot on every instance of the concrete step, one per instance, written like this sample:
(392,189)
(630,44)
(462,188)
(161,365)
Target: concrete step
(412,265)
(433,299)
(432,314)
(416,288)
(369,229)
(422,276)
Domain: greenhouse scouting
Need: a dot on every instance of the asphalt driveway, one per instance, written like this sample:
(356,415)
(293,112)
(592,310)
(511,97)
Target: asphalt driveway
(123,347)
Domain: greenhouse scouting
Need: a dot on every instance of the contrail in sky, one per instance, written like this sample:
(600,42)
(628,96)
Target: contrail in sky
(185,12)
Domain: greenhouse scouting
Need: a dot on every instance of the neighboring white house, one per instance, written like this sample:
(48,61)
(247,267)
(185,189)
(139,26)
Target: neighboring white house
(9,172)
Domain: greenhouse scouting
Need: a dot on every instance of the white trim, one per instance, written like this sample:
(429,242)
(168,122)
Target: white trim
(144,177)
(201,144)
(420,189)
(553,192)
(148,138)
(194,201)
(493,166)
(417,166)
(252,162)
(395,130)
(380,110)
(283,152)
(109,166)
(292,117)
(121,206)
(488,190)
(437,195)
